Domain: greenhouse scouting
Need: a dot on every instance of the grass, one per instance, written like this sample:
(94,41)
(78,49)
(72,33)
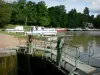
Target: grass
(22,35)
(10,26)
(19,35)
(26,28)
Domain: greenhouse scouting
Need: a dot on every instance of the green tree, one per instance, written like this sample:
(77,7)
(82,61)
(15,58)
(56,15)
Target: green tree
(14,9)
(18,12)
(86,14)
(42,14)
(97,21)
(5,13)
(58,16)
(86,11)
(80,20)
(91,18)
(21,16)
(31,13)
(72,18)
(28,12)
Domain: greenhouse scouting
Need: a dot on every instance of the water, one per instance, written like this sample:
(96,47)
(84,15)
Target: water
(88,43)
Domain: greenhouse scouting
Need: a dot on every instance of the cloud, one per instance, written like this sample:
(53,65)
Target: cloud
(96,4)
(95,11)
(52,3)
(95,7)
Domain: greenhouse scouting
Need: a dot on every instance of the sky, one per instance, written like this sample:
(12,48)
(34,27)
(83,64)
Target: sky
(79,5)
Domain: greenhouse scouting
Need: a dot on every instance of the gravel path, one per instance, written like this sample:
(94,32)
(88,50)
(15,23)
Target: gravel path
(9,41)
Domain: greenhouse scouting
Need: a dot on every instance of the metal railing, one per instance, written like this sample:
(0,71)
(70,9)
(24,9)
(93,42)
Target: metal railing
(47,44)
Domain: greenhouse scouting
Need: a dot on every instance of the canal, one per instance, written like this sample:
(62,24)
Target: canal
(88,47)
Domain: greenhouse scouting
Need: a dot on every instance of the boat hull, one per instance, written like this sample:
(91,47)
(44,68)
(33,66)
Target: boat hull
(42,33)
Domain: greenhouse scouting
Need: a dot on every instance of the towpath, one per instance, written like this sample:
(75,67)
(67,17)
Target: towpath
(10,41)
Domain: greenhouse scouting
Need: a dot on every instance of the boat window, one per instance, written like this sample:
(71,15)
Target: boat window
(36,28)
(42,28)
(32,29)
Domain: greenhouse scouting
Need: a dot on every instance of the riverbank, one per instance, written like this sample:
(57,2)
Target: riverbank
(80,29)
(18,35)
(10,41)
(13,39)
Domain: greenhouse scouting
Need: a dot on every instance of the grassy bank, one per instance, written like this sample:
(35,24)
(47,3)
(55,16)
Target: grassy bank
(22,35)
(26,28)
(19,35)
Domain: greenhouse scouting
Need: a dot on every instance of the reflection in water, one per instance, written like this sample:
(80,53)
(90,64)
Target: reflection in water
(88,43)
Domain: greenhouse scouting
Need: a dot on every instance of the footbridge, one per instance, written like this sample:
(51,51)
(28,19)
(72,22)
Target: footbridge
(55,51)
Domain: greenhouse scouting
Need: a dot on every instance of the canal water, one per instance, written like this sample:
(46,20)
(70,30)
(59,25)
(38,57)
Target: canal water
(87,44)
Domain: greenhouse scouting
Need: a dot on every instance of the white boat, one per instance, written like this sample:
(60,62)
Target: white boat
(61,29)
(37,30)
(17,29)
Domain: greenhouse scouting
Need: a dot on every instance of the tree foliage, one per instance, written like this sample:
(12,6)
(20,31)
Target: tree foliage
(72,18)
(97,21)
(58,16)
(5,13)
(42,14)
(30,13)
(86,11)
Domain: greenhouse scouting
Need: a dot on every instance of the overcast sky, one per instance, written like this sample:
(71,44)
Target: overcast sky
(93,5)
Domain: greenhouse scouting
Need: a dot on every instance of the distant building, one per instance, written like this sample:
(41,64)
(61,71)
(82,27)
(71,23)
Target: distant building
(88,25)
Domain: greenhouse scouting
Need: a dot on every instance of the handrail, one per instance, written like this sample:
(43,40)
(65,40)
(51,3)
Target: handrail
(59,53)
(90,55)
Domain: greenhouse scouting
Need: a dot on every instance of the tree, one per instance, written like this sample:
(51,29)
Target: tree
(22,3)
(86,14)
(31,13)
(5,13)
(21,16)
(43,21)
(97,21)
(42,14)
(86,11)
(91,18)
(58,16)
(18,12)
(72,18)
(14,9)
(80,20)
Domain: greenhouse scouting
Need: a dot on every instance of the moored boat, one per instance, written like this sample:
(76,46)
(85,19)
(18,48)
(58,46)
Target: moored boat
(37,30)
(61,29)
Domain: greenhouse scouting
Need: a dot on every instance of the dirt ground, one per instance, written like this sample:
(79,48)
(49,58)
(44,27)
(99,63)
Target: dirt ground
(7,41)
(10,41)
